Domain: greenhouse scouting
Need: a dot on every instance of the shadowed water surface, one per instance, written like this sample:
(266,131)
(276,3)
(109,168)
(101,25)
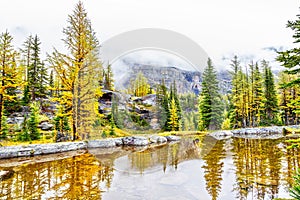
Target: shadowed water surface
(195,168)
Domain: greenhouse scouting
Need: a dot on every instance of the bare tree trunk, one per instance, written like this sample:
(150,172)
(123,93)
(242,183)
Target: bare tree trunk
(73,115)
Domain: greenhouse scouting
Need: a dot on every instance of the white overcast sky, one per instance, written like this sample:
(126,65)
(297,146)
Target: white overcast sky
(221,27)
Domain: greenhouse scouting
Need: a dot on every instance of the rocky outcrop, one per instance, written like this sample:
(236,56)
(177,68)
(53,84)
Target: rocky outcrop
(137,112)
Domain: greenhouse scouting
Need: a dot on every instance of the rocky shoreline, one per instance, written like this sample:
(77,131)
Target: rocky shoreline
(51,148)
(271,132)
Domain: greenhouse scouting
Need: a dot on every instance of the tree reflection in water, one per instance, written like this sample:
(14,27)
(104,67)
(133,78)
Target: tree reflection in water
(213,168)
(165,155)
(254,169)
(262,166)
(78,177)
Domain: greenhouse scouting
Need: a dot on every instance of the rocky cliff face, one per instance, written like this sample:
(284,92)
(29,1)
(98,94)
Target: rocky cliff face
(186,80)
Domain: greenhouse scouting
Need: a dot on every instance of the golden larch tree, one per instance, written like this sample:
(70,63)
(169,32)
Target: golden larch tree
(78,67)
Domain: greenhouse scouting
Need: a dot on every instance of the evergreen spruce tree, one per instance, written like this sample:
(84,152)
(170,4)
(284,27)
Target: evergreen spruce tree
(24,134)
(210,103)
(258,98)
(61,121)
(112,126)
(51,83)
(270,95)
(166,113)
(178,106)
(290,58)
(108,79)
(34,66)
(26,53)
(33,122)
(234,107)
(118,121)
(162,103)
(43,80)
(289,84)
(26,96)
(36,74)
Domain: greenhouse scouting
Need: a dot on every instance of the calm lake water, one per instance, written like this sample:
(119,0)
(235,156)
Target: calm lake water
(195,168)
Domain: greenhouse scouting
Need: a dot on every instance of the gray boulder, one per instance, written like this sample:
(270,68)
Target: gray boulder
(118,141)
(61,137)
(39,149)
(271,132)
(10,120)
(19,120)
(157,139)
(45,126)
(106,143)
(171,138)
(135,141)
(220,135)
(15,120)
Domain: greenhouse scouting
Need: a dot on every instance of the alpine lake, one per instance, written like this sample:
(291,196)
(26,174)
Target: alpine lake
(197,167)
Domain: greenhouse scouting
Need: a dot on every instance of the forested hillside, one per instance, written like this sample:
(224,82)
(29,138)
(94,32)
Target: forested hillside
(71,94)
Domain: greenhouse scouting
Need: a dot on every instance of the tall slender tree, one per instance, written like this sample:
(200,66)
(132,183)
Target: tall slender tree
(270,95)
(162,102)
(10,76)
(73,68)
(235,92)
(174,95)
(51,83)
(210,103)
(108,78)
(36,74)
(290,59)
(43,81)
(257,95)
(26,53)
(173,120)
